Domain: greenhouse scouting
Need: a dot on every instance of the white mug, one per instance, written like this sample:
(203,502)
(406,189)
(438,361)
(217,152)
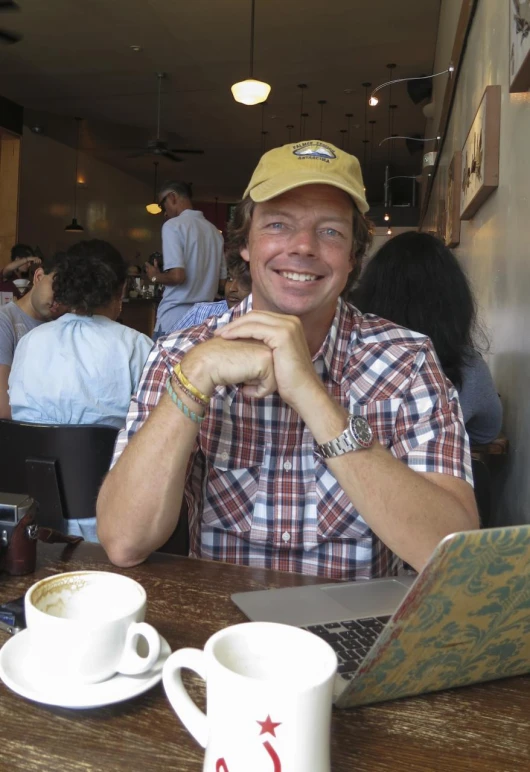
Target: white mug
(84,627)
(269,691)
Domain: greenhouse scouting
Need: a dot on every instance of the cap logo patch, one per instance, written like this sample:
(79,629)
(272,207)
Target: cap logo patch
(314,150)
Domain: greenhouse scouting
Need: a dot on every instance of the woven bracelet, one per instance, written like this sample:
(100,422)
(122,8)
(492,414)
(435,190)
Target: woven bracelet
(181,378)
(198,419)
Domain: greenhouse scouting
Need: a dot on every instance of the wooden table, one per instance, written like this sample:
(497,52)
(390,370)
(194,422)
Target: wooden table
(484,728)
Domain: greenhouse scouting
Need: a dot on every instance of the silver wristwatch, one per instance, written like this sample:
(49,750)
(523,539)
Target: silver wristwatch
(358,435)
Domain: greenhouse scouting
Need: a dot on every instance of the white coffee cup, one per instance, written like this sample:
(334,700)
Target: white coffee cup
(84,627)
(269,691)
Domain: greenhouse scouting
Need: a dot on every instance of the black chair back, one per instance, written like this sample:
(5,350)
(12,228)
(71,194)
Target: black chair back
(60,466)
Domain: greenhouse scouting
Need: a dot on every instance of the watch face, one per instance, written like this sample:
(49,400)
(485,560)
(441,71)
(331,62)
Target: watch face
(362,431)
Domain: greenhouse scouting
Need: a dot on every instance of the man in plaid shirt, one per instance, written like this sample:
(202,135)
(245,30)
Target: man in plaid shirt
(305,436)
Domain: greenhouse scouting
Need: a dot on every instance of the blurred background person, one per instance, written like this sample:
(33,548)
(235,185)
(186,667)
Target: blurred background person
(415,281)
(84,368)
(20,316)
(193,267)
(238,286)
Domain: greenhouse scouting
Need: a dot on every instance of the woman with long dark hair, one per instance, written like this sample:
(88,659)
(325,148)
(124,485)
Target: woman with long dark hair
(415,281)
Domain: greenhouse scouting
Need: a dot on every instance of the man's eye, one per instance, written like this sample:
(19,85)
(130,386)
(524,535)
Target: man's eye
(331,232)
(275,225)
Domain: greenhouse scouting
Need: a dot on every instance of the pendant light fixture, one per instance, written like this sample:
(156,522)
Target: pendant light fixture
(302,87)
(251,91)
(154,208)
(321,102)
(74,226)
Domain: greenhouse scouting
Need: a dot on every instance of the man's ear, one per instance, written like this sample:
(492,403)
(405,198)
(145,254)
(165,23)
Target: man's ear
(353,261)
(245,253)
(38,275)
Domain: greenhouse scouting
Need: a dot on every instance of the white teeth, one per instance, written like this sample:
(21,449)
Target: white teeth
(298,276)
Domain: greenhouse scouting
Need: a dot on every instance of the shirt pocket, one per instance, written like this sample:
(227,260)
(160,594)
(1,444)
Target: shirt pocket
(232,485)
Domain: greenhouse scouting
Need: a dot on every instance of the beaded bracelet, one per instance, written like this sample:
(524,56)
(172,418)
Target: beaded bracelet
(198,419)
(205,400)
(192,396)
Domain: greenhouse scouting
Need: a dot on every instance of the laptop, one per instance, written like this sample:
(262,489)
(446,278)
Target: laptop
(464,619)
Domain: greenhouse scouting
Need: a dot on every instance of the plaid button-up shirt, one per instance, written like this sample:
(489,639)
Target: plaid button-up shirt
(258,495)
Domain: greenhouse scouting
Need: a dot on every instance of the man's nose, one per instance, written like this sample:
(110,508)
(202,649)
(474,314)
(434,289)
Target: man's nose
(304,241)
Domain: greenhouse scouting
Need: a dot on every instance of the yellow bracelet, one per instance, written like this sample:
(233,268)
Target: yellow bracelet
(181,378)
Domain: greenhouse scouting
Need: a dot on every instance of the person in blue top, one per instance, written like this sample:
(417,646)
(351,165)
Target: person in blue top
(84,367)
(238,286)
(415,281)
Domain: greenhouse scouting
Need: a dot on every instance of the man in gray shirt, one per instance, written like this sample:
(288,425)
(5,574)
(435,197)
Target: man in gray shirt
(193,257)
(19,317)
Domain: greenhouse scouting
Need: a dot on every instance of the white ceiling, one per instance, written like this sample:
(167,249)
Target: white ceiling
(75,60)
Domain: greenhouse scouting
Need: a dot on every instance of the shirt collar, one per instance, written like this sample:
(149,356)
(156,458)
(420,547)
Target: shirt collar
(333,364)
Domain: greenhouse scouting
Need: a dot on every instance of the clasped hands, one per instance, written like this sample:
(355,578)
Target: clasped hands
(266,352)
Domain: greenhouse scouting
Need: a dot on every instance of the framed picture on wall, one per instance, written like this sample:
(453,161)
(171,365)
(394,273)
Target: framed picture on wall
(480,154)
(519,45)
(452,206)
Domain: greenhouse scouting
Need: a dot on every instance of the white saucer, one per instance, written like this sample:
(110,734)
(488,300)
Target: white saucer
(14,656)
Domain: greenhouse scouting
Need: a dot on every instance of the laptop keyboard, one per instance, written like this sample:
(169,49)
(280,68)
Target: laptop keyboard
(351,640)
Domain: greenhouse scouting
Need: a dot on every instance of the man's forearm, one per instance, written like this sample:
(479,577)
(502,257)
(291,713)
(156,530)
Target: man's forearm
(408,511)
(139,503)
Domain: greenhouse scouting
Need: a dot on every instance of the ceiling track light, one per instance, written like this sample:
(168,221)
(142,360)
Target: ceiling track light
(251,91)
(373,100)
(415,139)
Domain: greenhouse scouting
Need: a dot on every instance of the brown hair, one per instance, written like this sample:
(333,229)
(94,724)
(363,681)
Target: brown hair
(239,229)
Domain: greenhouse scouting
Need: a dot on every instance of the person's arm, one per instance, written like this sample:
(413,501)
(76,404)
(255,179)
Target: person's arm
(409,511)
(5,410)
(139,503)
(170,278)
(13,266)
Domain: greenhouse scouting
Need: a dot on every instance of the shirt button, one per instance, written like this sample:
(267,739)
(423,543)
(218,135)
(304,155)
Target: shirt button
(287,466)
(286,536)
(224,456)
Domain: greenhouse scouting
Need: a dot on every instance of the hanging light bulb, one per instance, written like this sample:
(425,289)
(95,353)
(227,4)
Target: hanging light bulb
(74,226)
(386,217)
(154,208)
(389,232)
(251,91)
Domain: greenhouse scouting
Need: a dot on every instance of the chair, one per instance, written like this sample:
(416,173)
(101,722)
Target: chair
(60,466)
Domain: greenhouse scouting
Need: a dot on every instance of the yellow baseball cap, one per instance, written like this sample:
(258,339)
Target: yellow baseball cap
(307,163)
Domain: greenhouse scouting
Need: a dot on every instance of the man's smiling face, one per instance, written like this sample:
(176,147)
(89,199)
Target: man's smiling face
(300,250)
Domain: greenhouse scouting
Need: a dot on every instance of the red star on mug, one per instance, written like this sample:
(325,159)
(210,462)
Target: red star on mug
(268,726)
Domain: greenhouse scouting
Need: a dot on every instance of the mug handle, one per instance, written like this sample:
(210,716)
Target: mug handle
(131,663)
(191,716)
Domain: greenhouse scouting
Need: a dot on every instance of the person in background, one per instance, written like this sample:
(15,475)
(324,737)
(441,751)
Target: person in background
(415,281)
(305,436)
(238,286)
(193,258)
(22,257)
(19,317)
(84,367)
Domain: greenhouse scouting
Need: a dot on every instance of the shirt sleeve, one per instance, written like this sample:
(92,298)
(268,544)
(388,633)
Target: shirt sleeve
(7,341)
(173,245)
(480,402)
(429,433)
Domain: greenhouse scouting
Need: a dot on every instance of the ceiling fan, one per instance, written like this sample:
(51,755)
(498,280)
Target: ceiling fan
(7,37)
(158,146)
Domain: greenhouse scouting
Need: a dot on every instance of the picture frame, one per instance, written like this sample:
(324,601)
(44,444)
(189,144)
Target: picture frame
(519,45)
(452,207)
(480,154)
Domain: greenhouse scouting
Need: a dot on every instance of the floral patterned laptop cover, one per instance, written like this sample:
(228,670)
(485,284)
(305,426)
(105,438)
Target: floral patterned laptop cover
(465,620)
